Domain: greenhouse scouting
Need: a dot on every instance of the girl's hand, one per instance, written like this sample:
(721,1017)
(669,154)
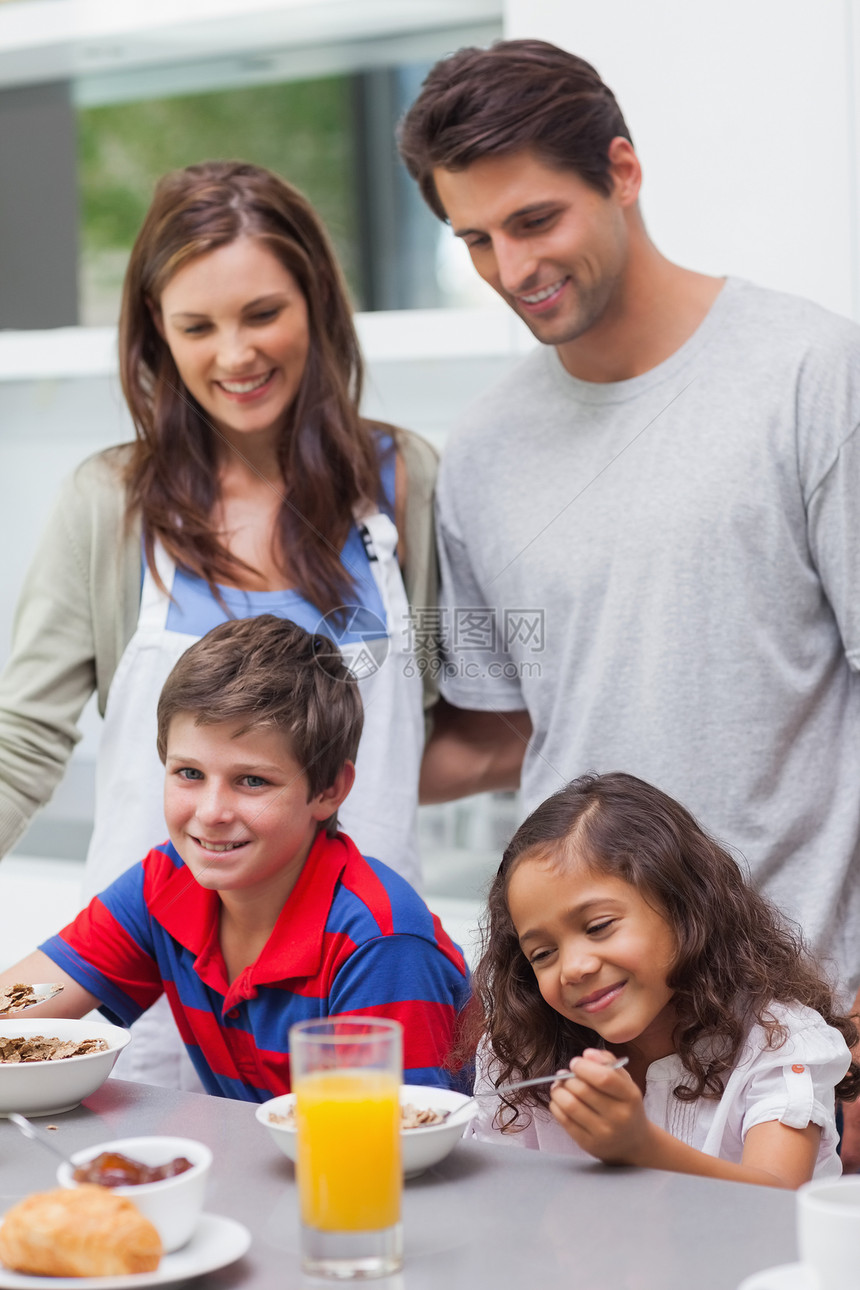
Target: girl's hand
(602,1110)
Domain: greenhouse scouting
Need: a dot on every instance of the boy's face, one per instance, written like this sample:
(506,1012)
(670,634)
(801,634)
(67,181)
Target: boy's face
(237,807)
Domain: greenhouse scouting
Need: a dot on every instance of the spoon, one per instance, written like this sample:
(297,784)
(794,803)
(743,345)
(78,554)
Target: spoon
(527,1083)
(37,1135)
(39,994)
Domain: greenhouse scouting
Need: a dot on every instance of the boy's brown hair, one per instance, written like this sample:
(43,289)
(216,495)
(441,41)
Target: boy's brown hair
(268,673)
(516,96)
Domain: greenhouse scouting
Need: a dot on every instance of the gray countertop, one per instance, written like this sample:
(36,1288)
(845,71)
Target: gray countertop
(494,1217)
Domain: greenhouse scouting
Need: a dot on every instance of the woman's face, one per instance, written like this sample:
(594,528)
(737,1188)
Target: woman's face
(236,323)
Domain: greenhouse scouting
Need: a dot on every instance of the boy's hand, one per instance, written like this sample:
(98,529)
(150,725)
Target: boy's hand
(602,1110)
(74,1001)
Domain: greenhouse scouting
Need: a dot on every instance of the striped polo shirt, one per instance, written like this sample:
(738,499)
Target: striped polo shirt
(352,938)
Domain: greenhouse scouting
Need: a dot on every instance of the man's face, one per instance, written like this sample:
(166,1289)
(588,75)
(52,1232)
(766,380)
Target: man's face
(553,247)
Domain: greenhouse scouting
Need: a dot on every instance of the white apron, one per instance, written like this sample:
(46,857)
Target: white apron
(380,813)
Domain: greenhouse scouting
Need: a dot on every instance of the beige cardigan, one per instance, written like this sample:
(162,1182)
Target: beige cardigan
(79,608)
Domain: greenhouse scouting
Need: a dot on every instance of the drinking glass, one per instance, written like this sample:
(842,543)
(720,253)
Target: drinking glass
(346,1075)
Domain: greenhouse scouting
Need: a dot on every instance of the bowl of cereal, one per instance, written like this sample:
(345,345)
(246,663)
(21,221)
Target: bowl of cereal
(428,1126)
(48,1066)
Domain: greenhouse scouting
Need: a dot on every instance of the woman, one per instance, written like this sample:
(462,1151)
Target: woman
(253,486)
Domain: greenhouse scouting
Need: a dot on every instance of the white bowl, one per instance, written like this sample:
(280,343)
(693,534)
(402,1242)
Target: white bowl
(421,1148)
(173,1205)
(47,1088)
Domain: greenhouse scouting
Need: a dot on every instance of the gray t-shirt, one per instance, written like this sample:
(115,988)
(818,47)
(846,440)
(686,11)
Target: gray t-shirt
(691,539)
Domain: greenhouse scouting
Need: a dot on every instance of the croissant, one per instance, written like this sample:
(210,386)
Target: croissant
(87,1231)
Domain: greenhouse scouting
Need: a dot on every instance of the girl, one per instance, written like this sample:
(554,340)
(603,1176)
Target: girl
(253,486)
(617,928)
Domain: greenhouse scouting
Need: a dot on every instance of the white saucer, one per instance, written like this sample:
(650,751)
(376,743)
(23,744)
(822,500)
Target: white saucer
(788,1276)
(217,1242)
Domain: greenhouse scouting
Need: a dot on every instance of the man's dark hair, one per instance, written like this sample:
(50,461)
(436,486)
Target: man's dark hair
(267,673)
(516,95)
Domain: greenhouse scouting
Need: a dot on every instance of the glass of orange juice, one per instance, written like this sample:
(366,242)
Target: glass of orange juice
(346,1075)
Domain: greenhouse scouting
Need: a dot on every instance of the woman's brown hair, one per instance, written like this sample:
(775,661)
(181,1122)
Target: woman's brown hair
(329,456)
(735,954)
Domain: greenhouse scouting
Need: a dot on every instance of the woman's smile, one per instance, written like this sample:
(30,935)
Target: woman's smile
(248,387)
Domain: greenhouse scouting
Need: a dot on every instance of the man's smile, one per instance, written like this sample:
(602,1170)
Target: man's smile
(551,292)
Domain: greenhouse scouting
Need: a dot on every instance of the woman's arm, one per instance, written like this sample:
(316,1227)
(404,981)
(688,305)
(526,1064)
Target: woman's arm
(48,678)
(472,752)
(74,616)
(603,1111)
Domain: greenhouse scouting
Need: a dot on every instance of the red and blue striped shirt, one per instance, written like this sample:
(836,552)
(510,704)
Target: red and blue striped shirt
(352,938)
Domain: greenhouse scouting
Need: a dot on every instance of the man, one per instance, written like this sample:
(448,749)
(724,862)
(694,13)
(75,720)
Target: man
(671,480)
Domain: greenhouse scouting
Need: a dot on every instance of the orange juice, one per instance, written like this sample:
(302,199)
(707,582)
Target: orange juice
(349,1170)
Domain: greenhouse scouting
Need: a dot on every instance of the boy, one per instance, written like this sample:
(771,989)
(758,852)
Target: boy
(258,913)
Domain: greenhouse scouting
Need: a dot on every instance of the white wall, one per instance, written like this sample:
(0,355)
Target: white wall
(743,113)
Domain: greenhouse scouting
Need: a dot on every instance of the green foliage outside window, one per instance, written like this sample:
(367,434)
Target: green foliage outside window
(300,129)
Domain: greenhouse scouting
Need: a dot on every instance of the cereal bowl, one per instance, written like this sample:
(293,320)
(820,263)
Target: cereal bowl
(172,1205)
(49,1087)
(421,1147)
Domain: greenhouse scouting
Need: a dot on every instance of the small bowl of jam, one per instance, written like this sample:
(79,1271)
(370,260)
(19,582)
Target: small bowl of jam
(164,1177)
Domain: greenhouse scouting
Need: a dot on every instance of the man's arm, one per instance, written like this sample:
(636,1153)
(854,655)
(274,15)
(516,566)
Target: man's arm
(472,752)
(38,969)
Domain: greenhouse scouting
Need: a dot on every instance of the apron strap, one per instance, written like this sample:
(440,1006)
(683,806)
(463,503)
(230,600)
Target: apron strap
(154,604)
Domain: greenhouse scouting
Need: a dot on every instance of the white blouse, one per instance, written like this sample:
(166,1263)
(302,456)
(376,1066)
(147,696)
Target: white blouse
(793,1084)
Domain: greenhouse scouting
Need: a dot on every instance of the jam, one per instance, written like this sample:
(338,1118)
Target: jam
(113,1169)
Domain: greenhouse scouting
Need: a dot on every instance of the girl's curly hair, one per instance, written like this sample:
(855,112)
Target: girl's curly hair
(736,954)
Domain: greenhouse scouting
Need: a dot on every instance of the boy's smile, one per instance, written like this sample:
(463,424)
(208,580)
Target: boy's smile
(237,808)
(600,953)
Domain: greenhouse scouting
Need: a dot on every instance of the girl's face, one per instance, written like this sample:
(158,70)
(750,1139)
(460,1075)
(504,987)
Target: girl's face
(236,323)
(601,954)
